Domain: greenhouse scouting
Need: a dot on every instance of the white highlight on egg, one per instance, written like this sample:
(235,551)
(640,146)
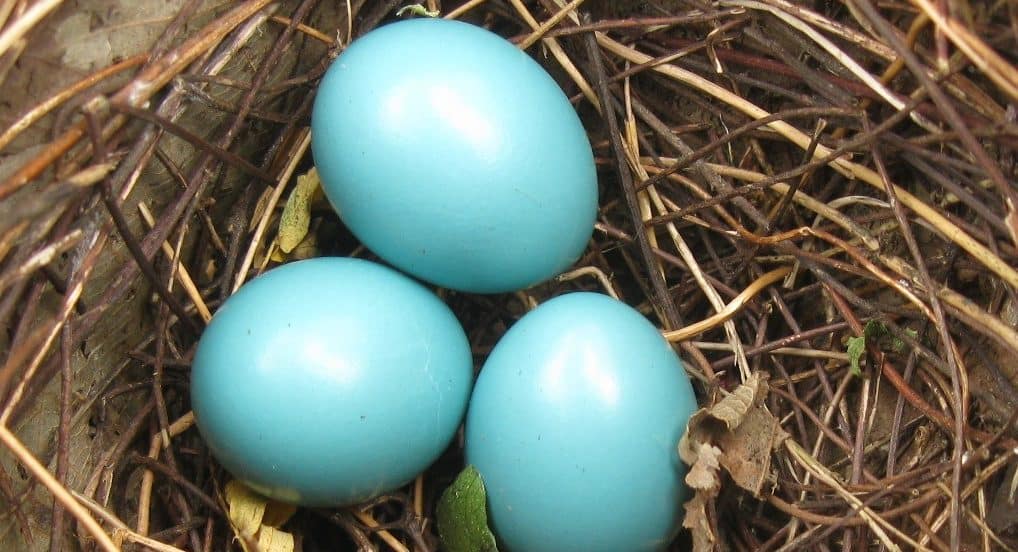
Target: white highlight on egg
(602,381)
(463,116)
(575,354)
(394,108)
(320,363)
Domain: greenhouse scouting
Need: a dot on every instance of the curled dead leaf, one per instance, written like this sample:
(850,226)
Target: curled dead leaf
(737,434)
(703,476)
(732,409)
(741,427)
(256,519)
(271,539)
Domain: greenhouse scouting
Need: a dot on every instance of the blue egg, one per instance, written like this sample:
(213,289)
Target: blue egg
(574,425)
(454,156)
(330,381)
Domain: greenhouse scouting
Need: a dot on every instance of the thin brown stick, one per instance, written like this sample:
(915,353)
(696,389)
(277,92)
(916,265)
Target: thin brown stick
(663,299)
(543,29)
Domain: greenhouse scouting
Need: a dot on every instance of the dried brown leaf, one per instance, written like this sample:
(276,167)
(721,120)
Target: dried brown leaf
(731,409)
(688,445)
(703,475)
(747,450)
(698,524)
(738,434)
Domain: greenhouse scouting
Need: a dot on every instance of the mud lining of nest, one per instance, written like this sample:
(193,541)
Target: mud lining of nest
(816,205)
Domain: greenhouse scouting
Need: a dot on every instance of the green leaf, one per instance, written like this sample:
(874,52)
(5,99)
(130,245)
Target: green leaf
(418,10)
(878,333)
(875,329)
(856,348)
(463,516)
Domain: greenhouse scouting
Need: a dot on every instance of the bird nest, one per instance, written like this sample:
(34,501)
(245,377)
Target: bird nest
(815,203)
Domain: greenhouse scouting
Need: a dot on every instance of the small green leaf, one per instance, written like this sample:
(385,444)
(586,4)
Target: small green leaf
(875,329)
(856,348)
(463,516)
(416,9)
(878,334)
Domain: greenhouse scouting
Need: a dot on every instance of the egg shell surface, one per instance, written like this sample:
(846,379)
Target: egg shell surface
(574,425)
(454,156)
(329,381)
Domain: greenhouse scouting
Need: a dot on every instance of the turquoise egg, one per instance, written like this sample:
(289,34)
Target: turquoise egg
(574,425)
(454,156)
(330,381)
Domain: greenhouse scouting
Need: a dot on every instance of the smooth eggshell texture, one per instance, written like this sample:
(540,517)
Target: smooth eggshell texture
(454,156)
(574,425)
(330,381)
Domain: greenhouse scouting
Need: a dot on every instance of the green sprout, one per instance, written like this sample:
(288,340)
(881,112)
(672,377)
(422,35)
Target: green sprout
(418,10)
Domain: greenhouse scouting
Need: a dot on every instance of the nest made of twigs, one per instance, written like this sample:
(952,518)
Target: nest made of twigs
(818,200)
